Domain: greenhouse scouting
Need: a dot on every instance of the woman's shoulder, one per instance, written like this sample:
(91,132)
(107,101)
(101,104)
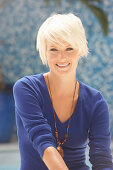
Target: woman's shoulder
(93,100)
(88,92)
(29,80)
(31,83)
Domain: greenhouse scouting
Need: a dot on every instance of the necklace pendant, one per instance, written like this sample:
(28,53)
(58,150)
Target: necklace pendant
(60,150)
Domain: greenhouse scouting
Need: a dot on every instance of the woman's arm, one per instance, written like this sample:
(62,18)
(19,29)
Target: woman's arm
(99,137)
(28,107)
(53,160)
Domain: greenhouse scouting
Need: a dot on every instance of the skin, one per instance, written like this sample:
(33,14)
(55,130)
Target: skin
(53,160)
(62,81)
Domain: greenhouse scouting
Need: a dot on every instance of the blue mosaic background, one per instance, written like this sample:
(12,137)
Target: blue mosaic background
(19,22)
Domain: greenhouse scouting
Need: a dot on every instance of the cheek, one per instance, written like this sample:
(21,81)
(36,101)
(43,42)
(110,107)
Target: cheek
(50,60)
(48,56)
(73,56)
(76,55)
(75,60)
(51,57)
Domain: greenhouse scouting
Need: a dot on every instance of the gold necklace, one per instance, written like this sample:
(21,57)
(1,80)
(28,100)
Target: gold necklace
(59,147)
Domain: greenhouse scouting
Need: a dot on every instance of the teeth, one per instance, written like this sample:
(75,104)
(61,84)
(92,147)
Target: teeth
(62,65)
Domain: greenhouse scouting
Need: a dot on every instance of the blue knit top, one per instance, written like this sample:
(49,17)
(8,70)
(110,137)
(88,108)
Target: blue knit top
(89,125)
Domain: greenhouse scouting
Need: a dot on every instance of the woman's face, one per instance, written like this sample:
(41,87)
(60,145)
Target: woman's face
(62,58)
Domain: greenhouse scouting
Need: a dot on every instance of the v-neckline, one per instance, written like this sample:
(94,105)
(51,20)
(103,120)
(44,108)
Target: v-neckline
(62,123)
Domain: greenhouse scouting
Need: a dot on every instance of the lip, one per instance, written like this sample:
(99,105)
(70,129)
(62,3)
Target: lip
(63,65)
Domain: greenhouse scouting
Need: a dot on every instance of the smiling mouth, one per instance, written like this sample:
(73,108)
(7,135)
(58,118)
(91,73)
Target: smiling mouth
(63,65)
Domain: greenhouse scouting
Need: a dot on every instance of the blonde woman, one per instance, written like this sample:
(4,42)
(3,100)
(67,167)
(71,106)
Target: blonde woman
(57,115)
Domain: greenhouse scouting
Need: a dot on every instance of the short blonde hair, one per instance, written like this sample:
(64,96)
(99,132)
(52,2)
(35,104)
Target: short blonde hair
(67,27)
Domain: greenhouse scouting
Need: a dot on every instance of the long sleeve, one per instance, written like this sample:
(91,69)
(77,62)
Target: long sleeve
(99,137)
(29,107)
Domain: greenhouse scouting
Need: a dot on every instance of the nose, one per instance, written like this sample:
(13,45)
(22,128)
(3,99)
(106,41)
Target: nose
(61,55)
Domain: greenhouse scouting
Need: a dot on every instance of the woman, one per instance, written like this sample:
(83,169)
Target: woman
(57,116)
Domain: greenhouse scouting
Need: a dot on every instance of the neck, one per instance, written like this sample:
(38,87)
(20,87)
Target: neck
(62,85)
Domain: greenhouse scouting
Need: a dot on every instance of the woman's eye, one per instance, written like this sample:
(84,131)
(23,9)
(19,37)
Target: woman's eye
(69,49)
(53,49)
